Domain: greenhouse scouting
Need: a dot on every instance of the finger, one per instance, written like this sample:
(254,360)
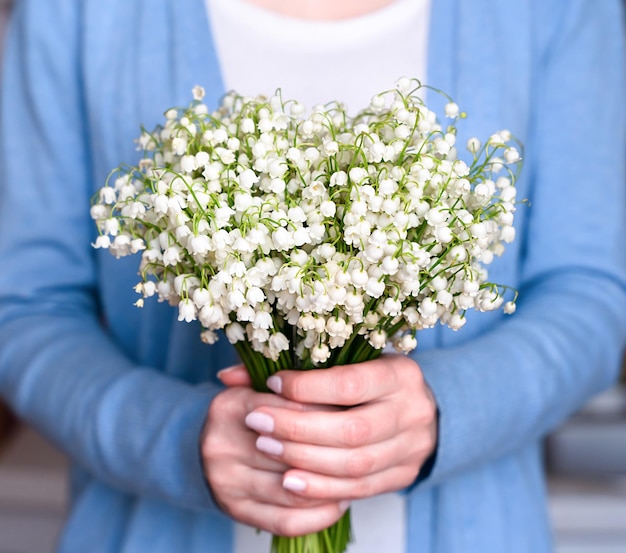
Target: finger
(344,385)
(402,450)
(239,449)
(231,405)
(242,483)
(284,521)
(329,488)
(341,462)
(356,427)
(235,376)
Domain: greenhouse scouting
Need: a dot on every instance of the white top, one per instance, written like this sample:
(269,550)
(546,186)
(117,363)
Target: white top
(348,60)
(314,62)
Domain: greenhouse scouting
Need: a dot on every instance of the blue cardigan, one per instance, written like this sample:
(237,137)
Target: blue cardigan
(125,391)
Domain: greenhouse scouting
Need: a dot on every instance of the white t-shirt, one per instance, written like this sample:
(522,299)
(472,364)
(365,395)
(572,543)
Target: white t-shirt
(314,62)
(348,60)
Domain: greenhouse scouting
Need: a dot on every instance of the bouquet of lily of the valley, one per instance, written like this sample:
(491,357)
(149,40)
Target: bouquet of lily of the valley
(313,239)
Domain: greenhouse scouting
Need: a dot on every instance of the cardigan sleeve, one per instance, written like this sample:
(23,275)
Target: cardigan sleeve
(510,386)
(130,426)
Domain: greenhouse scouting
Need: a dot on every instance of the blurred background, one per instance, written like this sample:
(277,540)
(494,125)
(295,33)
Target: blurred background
(585,458)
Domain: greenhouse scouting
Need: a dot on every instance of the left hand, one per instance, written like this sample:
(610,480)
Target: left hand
(377,442)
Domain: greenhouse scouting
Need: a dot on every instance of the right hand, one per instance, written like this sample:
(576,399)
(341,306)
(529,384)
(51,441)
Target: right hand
(246,484)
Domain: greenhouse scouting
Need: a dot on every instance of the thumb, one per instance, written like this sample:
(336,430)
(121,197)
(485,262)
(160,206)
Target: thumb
(237,375)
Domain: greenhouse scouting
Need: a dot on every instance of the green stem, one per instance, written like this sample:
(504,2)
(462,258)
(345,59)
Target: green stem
(334,539)
(357,349)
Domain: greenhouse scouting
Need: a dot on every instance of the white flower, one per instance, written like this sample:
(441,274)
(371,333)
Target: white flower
(359,278)
(137,245)
(508,194)
(405,343)
(507,234)
(208,337)
(390,265)
(120,246)
(427,307)
(102,241)
(164,289)
(278,342)
(184,284)
(435,216)
(296,214)
(282,239)
(392,307)
(443,147)
(457,321)
(328,208)
(160,203)
(470,286)
(247,179)
(378,102)
(478,230)
(243,201)
(99,211)
(312,154)
(451,110)
(255,295)
(489,300)
(444,235)
(171,256)
(263,319)
(337,327)
(377,339)
(509,307)
(149,289)
(444,298)
(198,93)
(235,333)
(331,147)
(511,155)
(375,287)
(246,313)
(320,353)
(357,174)
(186,311)
(333,224)
(188,164)
(247,125)
(201,297)
(199,245)
(353,301)
(179,146)
(212,316)
(404,84)
(108,195)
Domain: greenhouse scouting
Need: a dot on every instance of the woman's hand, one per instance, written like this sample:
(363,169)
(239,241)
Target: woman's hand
(247,484)
(376,444)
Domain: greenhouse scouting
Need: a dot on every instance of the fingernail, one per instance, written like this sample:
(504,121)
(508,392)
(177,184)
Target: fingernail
(269,445)
(275,384)
(344,506)
(294,484)
(260,422)
(227,369)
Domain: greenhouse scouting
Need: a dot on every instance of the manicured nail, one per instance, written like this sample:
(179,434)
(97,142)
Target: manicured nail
(294,484)
(269,445)
(344,506)
(275,384)
(260,422)
(227,369)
